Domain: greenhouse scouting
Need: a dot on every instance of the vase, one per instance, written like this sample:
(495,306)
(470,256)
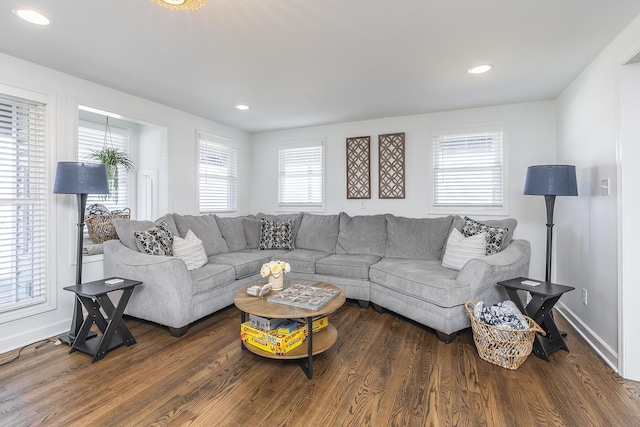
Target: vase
(277,283)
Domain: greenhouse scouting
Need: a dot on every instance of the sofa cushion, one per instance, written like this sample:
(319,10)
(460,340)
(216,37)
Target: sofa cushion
(318,232)
(414,238)
(245,264)
(275,234)
(461,249)
(206,228)
(252,232)
(211,277)
(157,240)
(425,280)
(303,260)
(126,227)
(190,250)
(362,234)
(232,230)
(354,266)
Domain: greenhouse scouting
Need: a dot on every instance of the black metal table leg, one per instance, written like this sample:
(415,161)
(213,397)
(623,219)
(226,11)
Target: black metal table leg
(243,318)
(308,369)
(543,298)
(94,298)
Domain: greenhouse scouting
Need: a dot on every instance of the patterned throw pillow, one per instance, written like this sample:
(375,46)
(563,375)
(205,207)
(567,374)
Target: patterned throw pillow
(276,234)
(461,249)
(495,235)
(157,240)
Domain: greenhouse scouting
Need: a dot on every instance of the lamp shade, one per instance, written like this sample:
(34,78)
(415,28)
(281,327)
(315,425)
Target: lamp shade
(81,178)
(551,180)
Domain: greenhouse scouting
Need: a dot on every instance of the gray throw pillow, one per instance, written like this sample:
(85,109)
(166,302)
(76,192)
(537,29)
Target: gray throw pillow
(252,232)
(417,238)
(206,229)
(365,234)
(232,231)
(318,232)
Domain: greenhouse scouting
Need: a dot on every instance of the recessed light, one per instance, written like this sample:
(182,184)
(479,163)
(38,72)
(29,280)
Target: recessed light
(32,16)
(174,2)
(242,107)
(480,69)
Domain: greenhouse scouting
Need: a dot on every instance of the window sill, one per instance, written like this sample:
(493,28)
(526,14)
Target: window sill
(92,250)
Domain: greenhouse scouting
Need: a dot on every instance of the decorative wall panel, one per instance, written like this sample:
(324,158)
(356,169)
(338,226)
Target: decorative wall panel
(359,167)
(391,171)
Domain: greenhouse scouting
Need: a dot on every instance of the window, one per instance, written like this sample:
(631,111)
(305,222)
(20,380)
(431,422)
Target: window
(217,174)
(24,198)
(301,175)
(468,170)
(91,137)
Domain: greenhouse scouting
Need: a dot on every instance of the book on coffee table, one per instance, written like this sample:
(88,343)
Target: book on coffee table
(304,296)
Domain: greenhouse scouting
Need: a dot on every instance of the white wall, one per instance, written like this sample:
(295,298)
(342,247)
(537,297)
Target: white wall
(588,248)
(66,93)
(531,133)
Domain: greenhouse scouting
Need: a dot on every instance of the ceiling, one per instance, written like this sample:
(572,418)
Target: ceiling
(311,62)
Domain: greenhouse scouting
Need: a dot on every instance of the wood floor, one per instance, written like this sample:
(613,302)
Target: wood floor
(383,371)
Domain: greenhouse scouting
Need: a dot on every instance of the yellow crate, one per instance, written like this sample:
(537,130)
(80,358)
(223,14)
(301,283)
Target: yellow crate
(272,342)
(319,324)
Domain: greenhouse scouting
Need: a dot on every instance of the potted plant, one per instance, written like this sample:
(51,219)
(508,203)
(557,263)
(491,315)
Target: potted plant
(112,157)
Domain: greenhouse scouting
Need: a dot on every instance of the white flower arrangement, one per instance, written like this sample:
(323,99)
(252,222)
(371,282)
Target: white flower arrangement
(275,268)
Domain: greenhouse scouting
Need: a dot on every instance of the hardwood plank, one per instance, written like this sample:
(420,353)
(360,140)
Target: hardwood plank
(383,370)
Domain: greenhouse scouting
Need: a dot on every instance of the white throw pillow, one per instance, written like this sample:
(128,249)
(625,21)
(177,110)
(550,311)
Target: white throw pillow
(461,249)
(190,250)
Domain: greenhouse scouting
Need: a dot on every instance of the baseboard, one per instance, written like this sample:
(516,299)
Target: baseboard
(608,354)
(18,340)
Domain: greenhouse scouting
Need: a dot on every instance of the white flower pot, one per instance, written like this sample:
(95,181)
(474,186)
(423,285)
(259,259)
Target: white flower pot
(277,283)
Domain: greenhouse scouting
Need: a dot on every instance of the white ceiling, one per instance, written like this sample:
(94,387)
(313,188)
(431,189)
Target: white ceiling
(310,62)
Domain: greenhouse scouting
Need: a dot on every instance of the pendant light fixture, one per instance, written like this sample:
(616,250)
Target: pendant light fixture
(182,4)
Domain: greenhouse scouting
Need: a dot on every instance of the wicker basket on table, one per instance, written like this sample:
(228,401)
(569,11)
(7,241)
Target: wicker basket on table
(508,348)
(100,227)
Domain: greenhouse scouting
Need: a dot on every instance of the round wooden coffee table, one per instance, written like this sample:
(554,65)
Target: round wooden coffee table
(316,342)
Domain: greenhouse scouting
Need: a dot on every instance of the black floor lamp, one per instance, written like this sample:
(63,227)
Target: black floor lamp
(80,179)
(550,181)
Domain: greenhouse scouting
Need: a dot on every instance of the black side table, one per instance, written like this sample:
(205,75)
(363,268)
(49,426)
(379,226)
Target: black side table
(543,297)
(93,296)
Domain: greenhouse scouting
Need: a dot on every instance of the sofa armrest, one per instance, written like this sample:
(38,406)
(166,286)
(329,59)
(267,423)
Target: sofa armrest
(483,274)
(166,294)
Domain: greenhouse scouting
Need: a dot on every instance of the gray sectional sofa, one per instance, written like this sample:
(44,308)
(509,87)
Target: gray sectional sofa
(389,261)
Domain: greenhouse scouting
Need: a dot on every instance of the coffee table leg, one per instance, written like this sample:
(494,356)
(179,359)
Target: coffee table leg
(243,318)
(308,369)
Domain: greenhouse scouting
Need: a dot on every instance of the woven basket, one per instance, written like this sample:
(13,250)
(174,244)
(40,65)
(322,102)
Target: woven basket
(100,227)
(508,348)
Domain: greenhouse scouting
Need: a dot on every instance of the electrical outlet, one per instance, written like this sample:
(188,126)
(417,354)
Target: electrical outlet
(584,296)
(363,205)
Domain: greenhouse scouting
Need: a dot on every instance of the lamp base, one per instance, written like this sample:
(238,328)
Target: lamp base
(68,339)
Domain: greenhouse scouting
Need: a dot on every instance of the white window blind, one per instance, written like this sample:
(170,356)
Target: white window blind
(301,174)
(217,175)
(23,203)
(91,137)
(468,169)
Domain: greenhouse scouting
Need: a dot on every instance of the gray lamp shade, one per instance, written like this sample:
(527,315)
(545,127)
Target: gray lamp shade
(551,180)
(81,178)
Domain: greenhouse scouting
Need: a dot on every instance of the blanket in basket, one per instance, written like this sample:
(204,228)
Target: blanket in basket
(503,315)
